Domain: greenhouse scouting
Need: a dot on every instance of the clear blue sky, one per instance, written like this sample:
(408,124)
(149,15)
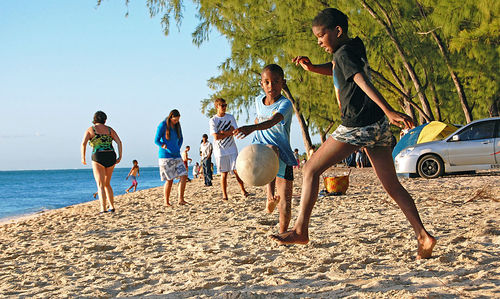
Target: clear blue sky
(60,61)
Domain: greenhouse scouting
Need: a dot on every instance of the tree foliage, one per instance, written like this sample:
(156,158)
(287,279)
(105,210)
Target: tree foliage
(413,71)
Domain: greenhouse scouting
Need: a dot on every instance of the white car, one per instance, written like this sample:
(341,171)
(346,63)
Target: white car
(474,146)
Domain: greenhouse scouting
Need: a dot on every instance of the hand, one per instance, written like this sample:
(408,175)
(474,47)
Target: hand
(400,119)
(243,132)
(304,62)
(164,146)
(84,162)
(118,160)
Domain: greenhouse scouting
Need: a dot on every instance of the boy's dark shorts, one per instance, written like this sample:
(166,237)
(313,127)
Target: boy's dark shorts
(285,171)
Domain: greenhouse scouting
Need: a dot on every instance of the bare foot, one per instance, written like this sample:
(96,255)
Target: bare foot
(425,246)
(126,191)
(225,199)
(167,204)
(290,237)
(272,203)
(246,194)
(183,202)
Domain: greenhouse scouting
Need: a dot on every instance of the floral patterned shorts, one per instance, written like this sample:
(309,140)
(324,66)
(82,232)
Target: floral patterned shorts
(376,134)
(171,168)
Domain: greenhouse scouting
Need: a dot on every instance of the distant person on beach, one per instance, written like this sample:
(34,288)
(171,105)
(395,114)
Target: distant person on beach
(272,128)
(100,137)
(206,159)
(186,159)
(133,174)
(360,158)
(366,117)
(169,140)
(311,152)
(225,151)
(297,157)
(196,170)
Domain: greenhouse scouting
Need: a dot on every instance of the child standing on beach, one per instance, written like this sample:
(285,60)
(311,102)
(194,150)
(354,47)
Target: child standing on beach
(133,173)
(365,123)
(272,127)
(169,139)
(222,126)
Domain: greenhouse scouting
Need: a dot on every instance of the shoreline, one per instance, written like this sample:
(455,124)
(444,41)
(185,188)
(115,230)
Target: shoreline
(361,245)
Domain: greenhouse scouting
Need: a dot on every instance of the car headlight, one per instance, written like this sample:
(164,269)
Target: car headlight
(407,151)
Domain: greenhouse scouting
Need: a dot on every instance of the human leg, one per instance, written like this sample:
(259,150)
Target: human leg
(166,192)
(181,188)
(107,187)
(99,176)
(381,160)
(272,200)
(207,172)
(329,153)
(240,182)
(223,183)
(284,189)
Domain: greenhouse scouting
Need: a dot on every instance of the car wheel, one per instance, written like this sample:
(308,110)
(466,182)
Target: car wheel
(430,167)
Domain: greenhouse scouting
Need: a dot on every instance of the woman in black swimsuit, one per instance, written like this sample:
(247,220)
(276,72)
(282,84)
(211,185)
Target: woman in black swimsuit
(100,137)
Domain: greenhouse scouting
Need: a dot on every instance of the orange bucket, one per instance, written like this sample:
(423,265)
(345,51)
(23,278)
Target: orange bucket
(337,184)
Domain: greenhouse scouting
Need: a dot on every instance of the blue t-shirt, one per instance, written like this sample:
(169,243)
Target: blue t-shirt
(279,134)
(173,144)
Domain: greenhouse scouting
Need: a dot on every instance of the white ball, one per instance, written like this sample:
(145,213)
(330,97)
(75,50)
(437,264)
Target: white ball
(257,165)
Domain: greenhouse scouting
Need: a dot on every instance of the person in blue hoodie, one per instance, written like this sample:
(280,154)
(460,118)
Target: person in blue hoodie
(169,139)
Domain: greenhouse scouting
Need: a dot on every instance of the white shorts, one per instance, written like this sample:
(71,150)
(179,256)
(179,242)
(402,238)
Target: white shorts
(226,163)
(171,168)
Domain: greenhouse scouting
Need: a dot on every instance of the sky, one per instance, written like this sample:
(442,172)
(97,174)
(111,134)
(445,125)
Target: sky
(61,61)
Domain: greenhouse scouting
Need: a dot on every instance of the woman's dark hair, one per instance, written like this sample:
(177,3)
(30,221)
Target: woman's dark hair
(177,126)
(99,118)
(331,18)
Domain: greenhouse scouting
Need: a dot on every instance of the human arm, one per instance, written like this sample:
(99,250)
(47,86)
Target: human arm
(160,133)
(306,64)
(223,134)
(86,138)
(119,143)
(244,131)
(397,118)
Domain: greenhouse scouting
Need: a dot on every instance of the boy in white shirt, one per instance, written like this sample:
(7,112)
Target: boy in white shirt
(222,126)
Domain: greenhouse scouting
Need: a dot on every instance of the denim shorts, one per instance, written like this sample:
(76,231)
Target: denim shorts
(376,134)
(285,171)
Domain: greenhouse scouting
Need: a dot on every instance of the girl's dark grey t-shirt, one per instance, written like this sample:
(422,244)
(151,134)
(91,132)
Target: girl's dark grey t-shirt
(357,109)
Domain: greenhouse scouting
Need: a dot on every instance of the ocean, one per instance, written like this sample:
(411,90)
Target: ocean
(26,192)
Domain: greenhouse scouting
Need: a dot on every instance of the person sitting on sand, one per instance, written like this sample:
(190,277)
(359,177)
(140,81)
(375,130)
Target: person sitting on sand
(133,173)
(100,137)
(222,126)
(365,115)
(169,140)
(272,127)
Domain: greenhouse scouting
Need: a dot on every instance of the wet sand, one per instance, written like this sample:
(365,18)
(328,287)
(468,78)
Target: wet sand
(361,245)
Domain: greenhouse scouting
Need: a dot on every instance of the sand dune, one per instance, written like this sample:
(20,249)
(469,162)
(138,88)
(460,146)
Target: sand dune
(361,245)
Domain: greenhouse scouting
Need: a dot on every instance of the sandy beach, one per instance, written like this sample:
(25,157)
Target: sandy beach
(361,245)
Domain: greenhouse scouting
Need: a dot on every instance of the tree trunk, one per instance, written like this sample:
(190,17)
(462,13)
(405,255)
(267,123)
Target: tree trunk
(302,122)
(495,105)
(325,132)
(408,66)
(458,85)
(435,99)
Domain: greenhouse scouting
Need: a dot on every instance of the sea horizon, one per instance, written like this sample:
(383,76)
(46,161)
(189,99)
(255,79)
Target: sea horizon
(27,192)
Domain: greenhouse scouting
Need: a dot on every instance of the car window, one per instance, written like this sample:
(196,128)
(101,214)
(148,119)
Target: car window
(482,130)
(498,129)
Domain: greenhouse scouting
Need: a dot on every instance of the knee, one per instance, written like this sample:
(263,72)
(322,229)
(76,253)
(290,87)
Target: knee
(309,170)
